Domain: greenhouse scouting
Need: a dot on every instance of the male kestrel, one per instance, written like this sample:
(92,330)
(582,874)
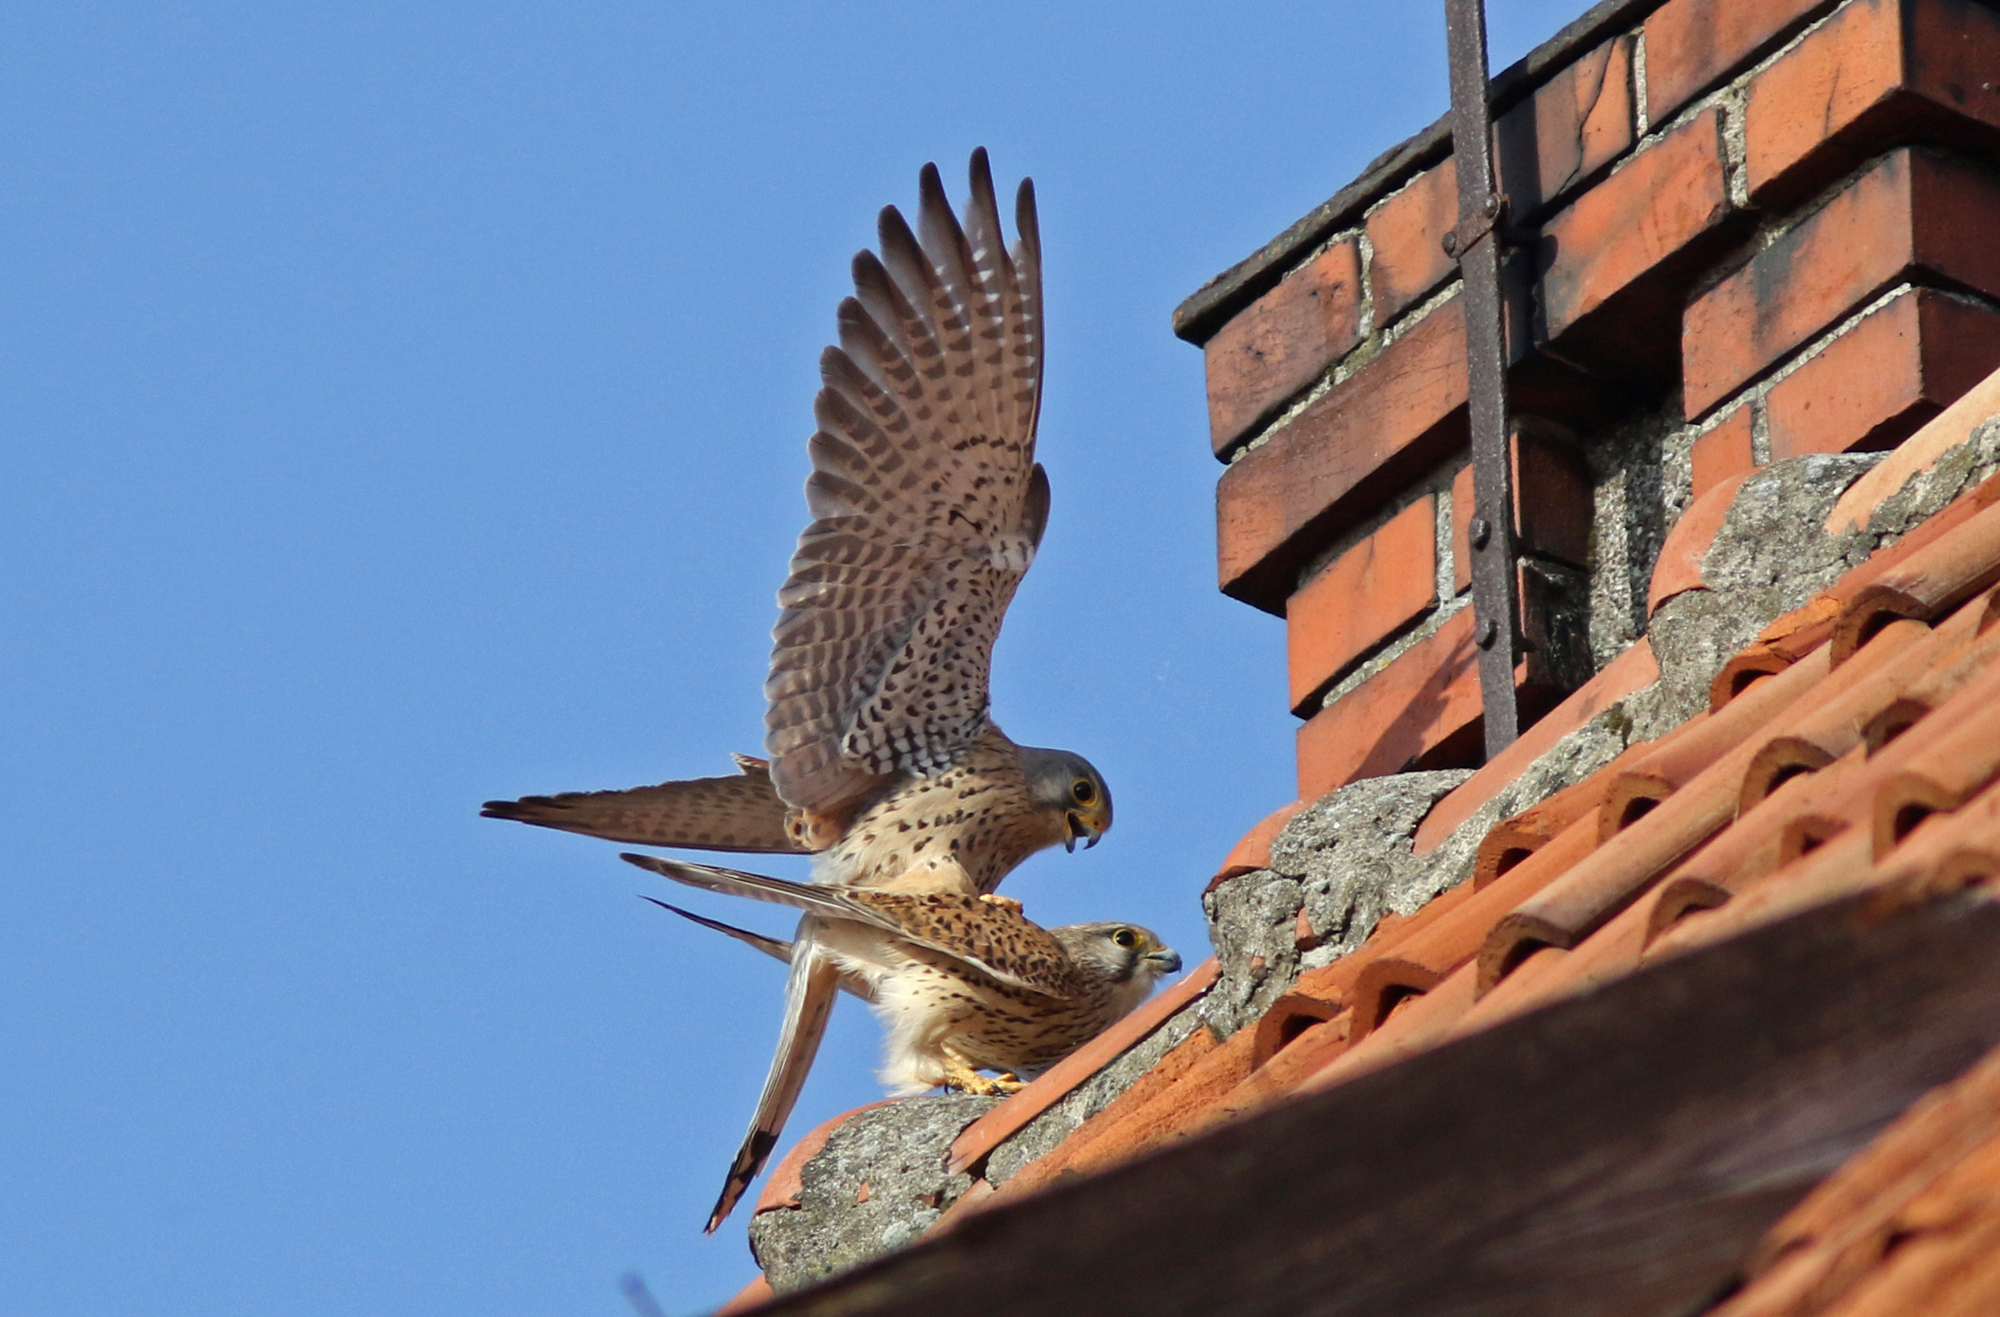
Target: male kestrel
(962,983)
(927,507)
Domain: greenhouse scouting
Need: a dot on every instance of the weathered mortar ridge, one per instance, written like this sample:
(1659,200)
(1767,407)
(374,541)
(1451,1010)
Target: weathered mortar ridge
(879,1183)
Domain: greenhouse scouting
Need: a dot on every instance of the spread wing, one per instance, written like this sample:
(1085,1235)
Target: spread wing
(927,502)
(705,813)
(988,937)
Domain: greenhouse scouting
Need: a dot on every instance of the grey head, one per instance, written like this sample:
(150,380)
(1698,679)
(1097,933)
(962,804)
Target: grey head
(1059,780)
(1118,953)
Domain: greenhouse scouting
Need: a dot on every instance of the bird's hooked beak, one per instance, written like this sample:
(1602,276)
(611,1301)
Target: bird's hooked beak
(1081,826)
(1166,958)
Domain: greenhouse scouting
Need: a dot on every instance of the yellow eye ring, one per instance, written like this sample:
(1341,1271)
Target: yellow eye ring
(1125,938)
(1082,792)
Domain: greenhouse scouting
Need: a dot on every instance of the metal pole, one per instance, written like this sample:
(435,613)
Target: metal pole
(1476,244)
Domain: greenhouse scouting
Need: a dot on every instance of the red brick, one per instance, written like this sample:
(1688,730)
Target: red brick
(1878,382)
(1912,209)
(1553,506)
(1724,452)
(1878,73)
(1358,444)
(1407,234)
(1283,341)
(1574,124)
(1427,693)
(1635,220)
(1360,599)
(1693,44)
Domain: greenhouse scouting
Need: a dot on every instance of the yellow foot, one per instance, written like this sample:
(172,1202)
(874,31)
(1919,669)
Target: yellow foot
(966,1080)
(1007,903)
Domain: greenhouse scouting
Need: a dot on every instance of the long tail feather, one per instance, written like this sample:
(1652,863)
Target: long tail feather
(741,813)
(808,1002)
(775,948)
(813,898)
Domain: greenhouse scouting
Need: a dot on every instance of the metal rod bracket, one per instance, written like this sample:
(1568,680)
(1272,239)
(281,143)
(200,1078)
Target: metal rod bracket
(1475,243)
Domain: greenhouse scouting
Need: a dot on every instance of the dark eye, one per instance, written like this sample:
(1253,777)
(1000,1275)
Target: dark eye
(1125,938)
(1082,792)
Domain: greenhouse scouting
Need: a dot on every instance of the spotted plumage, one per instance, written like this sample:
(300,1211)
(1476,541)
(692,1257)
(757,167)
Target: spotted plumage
(927,507)
(961,983)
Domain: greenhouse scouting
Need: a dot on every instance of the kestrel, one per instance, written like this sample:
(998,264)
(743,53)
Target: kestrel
(962,983)
(927,506)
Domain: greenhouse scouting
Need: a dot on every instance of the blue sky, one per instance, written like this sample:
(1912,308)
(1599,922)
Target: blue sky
(402,406)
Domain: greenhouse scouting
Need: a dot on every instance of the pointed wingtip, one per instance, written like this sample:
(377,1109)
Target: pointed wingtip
(1025,223)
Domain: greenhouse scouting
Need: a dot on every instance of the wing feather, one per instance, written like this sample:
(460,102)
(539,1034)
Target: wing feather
(927,502)
(990,938)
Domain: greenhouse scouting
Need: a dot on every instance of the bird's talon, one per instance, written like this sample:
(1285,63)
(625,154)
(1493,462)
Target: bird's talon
(966,1080)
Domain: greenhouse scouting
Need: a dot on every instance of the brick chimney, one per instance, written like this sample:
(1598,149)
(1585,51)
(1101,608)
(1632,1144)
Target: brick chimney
(1743,230)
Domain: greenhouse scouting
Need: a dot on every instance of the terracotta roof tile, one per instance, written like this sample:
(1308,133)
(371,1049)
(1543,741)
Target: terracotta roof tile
(1840,719)
(1937,577)
(1513,840)
(1941,776)
(1417,1023)
(1656,831)
(1783,643)
(754,1295)
(1678,568)
(1055,1083)
(1253,851)
(1763,840)
(1184,1108)
(1842,1246)
(1632,670)
(1800,631)
(1920,452)
(1457,937)
(1591,905)
(1675,762)
(1131,1120)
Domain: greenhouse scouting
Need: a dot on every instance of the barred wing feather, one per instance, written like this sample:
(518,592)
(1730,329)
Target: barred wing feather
(927,503)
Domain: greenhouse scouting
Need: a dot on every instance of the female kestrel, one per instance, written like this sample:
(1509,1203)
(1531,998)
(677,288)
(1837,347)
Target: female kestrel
(927,507)
(962,983)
